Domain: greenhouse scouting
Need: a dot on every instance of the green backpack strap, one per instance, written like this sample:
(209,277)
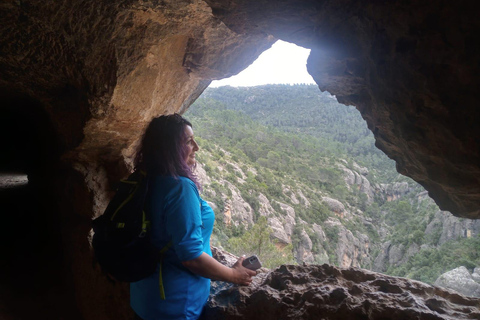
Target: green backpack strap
(160,279)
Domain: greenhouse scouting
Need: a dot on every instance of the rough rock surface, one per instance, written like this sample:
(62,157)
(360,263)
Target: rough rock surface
(476,274)
(334,205)
(351,250)
(356,178)
(237,210)
(282,226)
(327,292)
(303,252)
(442,227)
(452,227)
(460,280)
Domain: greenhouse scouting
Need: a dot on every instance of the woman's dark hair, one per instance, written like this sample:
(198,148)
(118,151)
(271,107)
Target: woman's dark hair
(163,148)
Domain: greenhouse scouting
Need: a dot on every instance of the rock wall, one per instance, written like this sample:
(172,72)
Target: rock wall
(327,292)
(443,227)
(344,247)
(99,71)
(451,227)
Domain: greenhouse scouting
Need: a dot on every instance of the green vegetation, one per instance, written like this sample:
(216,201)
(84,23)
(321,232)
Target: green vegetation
(302,109)
(258,241)
(282,141)
(429,263)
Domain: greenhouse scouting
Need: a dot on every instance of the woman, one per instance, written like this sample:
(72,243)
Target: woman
(180,218)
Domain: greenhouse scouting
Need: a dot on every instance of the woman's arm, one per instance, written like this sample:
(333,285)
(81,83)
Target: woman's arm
(208,267)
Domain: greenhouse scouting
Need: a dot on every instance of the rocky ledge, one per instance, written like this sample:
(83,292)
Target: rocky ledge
(327,292)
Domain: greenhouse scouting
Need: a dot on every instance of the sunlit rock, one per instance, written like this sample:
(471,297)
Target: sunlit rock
(460,280)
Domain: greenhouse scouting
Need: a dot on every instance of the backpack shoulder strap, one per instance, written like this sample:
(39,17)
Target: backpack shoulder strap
(160,278)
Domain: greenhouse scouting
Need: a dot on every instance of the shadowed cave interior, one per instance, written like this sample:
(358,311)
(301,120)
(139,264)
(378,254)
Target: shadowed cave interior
(31,268)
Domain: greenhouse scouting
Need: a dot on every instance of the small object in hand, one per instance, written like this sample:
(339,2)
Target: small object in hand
(252,263)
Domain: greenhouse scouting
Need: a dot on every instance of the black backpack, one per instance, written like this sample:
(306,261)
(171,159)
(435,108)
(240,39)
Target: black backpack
(122,234)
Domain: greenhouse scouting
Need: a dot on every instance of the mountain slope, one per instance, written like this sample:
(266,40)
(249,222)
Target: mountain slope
(290,169)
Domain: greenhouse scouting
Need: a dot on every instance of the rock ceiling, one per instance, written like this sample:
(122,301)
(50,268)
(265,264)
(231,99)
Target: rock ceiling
(102,69)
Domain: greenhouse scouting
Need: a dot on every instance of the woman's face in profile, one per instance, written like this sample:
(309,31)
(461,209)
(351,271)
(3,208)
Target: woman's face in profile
(192,146)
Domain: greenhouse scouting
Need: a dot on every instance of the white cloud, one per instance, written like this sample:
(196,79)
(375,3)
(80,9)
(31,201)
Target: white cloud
(283,63)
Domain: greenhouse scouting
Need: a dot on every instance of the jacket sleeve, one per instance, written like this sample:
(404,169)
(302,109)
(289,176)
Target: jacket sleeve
(183,220)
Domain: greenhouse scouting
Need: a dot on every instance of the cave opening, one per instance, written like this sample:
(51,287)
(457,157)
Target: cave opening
(30,232)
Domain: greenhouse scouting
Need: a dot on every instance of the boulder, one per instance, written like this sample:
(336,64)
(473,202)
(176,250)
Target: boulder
(460,280)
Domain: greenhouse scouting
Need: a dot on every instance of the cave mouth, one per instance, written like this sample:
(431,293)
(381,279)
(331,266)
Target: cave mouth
(31,246)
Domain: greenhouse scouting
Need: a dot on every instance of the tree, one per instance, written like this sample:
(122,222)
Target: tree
(258,241)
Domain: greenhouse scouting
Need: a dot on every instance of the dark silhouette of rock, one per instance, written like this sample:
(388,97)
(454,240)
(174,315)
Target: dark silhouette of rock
(327,292)
(330,293)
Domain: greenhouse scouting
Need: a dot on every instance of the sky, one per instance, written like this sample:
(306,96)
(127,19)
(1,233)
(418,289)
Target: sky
(283,63)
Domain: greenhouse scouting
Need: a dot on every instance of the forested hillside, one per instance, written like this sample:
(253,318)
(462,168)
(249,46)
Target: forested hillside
(295,178)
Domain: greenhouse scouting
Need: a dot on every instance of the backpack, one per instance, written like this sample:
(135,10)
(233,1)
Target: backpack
(122,234)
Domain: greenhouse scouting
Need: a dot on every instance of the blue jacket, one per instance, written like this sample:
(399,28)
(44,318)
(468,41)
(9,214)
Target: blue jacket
(181,216)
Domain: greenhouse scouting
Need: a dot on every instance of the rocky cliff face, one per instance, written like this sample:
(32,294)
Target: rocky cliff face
(441,228)
(327,292)
(448,227)
(345,247)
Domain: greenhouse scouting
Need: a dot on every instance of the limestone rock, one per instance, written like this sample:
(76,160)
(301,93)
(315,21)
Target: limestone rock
(202,174)
(395,254)
(330,293)
(319,232)
(281,223)
(411,251)
(380,263)
(358,180)
(351,250)
(303,251)
(289,193)
(460,280)
(362,170)
(266,208)
(278,230)
(303,199)
(290,212)
(394,191)
(335,206)
(236,208)
(451,227)
(476,274)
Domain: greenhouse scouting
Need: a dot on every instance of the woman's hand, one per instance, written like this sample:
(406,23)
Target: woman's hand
(208,267)
(240,274)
